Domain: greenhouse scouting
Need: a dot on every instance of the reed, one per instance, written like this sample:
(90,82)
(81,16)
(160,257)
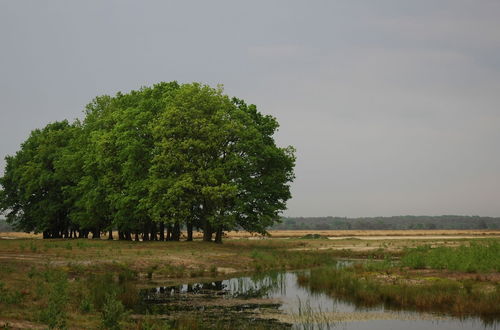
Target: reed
(458,298)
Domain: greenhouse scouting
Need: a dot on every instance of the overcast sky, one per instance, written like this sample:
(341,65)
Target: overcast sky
(393,106)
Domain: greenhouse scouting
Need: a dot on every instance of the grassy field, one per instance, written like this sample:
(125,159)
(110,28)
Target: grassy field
(94,283)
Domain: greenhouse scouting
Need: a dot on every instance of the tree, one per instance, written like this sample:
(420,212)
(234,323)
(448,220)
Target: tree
(33,195)
(215,161)
(118,158)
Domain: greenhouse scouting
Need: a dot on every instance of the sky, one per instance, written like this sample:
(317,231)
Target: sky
(393,106)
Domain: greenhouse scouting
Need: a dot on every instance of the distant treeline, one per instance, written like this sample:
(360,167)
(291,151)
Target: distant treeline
(392,223)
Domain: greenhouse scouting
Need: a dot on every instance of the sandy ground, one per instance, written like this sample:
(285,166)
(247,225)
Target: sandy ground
(353,316)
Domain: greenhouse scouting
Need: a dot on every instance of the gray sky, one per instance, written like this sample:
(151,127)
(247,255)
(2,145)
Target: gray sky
(393,106)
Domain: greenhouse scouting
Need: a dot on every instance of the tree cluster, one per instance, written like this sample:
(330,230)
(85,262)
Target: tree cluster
(148,164)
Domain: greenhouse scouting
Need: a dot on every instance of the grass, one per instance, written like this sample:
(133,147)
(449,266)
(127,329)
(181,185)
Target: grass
(309,319)
(359,285)
(476,257)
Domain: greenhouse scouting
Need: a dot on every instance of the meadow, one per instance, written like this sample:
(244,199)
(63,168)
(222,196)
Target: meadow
(84,283)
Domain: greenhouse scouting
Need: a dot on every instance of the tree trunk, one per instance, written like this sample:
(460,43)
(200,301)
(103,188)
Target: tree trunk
(96,234)
(169,233)
(153,232)
(176,232)
(145,232)
(137,236)
(207,231)
(162,231)
(190,231)
(110,234)
(218,235)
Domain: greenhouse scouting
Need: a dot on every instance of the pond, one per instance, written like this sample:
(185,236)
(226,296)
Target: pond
(275,300)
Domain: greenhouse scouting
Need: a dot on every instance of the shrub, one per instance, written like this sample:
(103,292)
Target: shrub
(113,312)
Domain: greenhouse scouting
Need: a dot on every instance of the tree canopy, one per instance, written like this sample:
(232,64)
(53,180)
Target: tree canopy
(170,156)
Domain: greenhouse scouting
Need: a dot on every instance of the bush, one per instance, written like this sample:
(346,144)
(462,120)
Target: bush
(113,312)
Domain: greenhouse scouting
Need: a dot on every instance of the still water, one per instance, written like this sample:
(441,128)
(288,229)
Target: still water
(276,300)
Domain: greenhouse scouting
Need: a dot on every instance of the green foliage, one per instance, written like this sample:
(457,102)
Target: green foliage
(33,194)
(86,305)
(174,154)
(217,162)
(113,313)
(478,257)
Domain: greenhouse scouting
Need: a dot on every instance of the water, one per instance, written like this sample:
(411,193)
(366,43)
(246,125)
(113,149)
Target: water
(277,300)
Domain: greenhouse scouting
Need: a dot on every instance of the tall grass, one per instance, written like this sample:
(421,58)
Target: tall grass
(460,298)
(477,257)
(309,319)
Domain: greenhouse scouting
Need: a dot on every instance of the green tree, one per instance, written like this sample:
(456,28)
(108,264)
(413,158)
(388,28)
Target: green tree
(33,194)
(215,161)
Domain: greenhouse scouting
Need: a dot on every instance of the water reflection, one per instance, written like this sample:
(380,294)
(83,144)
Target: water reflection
(258,286)
(240,294)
